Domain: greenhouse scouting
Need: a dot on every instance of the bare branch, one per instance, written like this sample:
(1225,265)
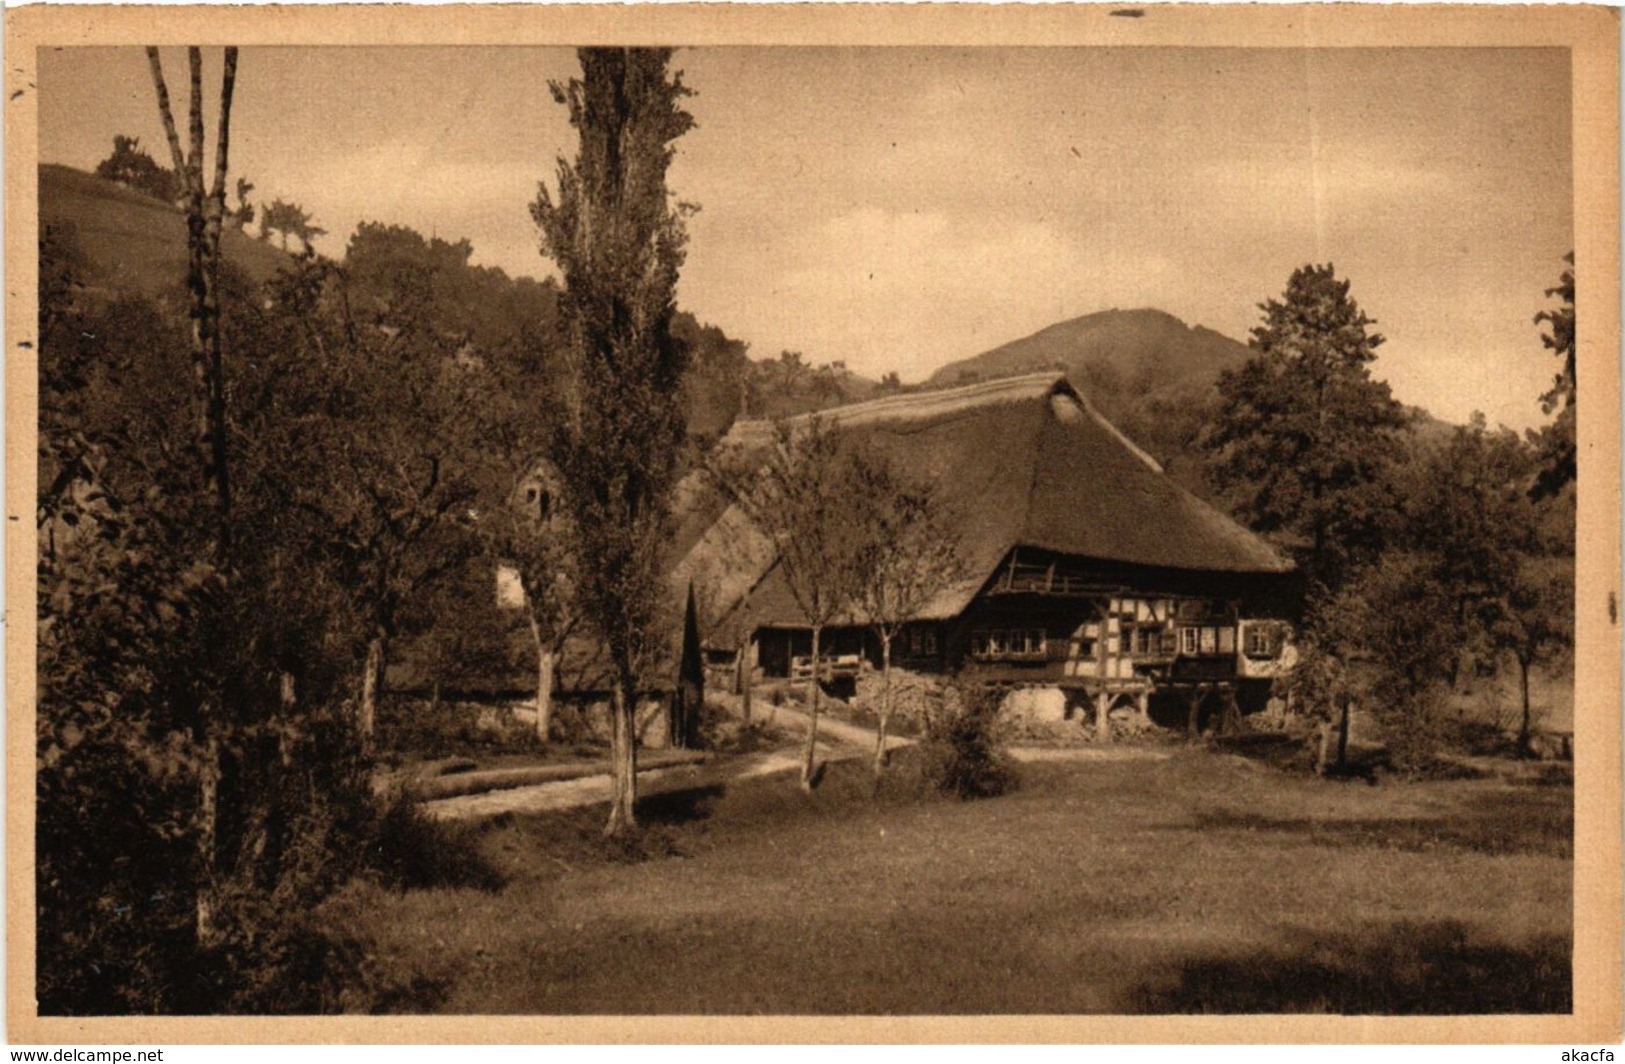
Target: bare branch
(164,110)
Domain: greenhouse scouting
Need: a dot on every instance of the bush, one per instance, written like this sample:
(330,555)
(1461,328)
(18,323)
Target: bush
(323,962)
(412,851)
(961,753)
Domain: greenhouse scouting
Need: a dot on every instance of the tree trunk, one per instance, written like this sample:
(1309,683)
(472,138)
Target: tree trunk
(747,675)
(202,282)
(372,682)
(288,701)
(546,659)
(208,934)
(623,760)
(1526,725)
(1343,735)
(813,692)
(885,705)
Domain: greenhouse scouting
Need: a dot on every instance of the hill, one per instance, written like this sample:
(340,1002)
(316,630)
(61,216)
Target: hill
(1148,372)
(125,242)
(132,243)
(1148,350)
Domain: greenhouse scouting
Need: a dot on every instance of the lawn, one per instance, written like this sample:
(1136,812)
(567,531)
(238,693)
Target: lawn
(1196,883)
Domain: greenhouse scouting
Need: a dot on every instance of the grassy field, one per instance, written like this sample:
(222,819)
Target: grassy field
(1199,883)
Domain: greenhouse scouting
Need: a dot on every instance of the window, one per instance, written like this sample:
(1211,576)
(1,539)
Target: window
(1008,643)
(1263,641)
(1188,640)
(920,642)
(1150,641)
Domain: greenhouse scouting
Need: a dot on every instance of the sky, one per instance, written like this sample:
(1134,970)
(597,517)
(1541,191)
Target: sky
(900,208)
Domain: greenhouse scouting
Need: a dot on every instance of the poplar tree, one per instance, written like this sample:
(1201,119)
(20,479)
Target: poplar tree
(616,234)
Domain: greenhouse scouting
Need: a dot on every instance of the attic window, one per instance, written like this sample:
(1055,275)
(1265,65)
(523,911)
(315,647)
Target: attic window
(1065,408)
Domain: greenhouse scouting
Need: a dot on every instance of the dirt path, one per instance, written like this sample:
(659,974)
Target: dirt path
(592,790)
(837,741)
(833,729)
(1116,752)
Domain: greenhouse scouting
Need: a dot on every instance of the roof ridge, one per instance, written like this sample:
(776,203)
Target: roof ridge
(1026,385)
(1118,434)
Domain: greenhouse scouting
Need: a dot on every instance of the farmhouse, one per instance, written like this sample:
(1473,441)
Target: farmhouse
(1095,580)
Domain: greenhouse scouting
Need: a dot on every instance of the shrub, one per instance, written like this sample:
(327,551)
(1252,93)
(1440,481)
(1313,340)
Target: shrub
(411,850)
(961,753)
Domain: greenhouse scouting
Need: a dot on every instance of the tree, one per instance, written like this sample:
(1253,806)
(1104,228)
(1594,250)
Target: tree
(1385,640)
(243,215)
(204,212)
(524,525)
(905,555)
(1470,515)
(1557,441)
(132,166)
(288,219)
(618,240)
(387,421)
(803,494)
(1304,435)
(1535,620)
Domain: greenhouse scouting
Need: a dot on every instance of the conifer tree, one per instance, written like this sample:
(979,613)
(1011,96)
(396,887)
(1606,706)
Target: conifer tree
(1304,435)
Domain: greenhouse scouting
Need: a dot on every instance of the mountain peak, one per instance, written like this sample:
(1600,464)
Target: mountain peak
(1142,343)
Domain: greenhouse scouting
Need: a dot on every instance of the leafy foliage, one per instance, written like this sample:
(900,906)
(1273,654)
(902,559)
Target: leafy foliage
(1464,591)
(961,749)
(131,165)
(1557,442)
(287,220)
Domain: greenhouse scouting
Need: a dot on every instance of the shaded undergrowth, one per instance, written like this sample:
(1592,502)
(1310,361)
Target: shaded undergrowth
(1508,827)
(1403,968)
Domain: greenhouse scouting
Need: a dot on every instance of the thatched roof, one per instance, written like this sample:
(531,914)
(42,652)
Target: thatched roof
(1023,462)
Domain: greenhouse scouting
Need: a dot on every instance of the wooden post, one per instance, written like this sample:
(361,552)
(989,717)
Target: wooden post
(1193,699)
(748,676)
(1103,724)
(1230,722)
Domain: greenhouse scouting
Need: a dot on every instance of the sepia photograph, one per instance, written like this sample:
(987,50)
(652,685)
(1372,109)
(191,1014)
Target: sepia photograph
(1068,514)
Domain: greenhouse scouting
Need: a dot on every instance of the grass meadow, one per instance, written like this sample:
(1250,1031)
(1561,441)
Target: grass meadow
(1201,882)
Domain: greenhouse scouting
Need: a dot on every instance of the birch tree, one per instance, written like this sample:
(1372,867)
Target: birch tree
(906,554)
(802,493)
(205,209)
